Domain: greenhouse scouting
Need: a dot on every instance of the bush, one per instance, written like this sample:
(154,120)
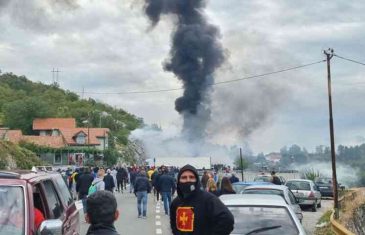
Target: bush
(14,157)
(311,174)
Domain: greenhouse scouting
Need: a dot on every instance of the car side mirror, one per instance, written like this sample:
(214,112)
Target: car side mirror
(50,227)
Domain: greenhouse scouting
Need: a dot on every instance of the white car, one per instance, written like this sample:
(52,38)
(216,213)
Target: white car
(306,191)
(262,214)
(280,190)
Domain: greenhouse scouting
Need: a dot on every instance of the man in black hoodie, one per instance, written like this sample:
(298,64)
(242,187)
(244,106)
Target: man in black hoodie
(195,211)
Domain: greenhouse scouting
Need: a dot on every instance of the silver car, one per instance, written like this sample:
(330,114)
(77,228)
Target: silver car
(280,190)
(306,191)
(262,214)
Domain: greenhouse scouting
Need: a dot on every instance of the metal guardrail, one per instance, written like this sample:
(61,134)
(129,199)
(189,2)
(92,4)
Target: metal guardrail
(338,228)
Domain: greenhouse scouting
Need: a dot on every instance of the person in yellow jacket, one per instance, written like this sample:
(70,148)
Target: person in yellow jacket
(150,173)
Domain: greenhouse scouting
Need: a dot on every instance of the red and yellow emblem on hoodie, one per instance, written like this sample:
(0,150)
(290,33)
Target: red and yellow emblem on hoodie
(185,219)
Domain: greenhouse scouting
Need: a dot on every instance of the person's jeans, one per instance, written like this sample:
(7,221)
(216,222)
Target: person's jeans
(131,188)
(166,197)
(142,203)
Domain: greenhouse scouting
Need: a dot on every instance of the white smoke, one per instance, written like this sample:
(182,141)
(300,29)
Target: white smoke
(170,143)
(346,175)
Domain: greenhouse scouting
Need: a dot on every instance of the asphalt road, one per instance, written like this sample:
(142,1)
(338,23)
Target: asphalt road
(311,218)
(129,223)
(158,223)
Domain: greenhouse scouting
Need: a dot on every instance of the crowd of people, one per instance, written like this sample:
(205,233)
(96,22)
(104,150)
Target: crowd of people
(196,196)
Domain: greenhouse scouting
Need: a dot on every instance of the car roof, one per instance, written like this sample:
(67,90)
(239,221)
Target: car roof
(251,183)
(22,174)
(302,180)
(252,200)
(267,186)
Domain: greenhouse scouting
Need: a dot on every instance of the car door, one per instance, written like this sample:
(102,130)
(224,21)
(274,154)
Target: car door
(71,214)
(294,205)
(317,193)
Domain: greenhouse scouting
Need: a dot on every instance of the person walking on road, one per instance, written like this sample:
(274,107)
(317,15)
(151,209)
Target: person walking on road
(109,181)
(83,184)
(141,188)
(132,176)
(101,213)
(196,211)
(166,185)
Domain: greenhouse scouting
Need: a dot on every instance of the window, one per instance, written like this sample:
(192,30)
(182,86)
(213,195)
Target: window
(65,193)
(53,202)
(80,138)
(292,197)
(12,211)
(57,158)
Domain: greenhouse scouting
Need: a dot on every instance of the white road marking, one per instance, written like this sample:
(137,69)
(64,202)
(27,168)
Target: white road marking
(158,231)
(158,216)
(158,223)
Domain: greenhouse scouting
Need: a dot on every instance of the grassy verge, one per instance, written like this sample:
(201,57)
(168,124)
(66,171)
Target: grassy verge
(324,222)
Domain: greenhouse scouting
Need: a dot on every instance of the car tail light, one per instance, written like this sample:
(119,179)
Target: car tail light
(311,195)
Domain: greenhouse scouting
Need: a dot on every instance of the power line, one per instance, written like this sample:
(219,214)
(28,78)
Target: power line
(354,61)
(213,84)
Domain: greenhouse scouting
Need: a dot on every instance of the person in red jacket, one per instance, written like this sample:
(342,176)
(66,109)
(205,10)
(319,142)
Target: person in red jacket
(38,218)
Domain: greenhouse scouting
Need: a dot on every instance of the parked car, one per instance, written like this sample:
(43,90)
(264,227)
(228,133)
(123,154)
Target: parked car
(280,190)
(262,214)
(307,191)
(263,178)
(239,186)
(22,192)
(325,186)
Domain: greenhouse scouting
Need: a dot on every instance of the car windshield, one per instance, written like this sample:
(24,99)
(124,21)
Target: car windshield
(11,210)
(259,218)
(298,185)
(263,178)
(324,181)
(264,191)
(238,188)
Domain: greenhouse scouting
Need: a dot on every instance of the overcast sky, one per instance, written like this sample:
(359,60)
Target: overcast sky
(109,47)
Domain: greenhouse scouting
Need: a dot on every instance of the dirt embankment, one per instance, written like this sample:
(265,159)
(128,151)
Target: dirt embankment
(353,212)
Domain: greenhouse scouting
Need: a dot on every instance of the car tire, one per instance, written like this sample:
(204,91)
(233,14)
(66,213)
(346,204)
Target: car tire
(314,207)
(319,204)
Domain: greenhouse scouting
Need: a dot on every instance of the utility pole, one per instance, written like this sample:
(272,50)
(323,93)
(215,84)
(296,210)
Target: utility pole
(55,78)
(241,164)
(329,55)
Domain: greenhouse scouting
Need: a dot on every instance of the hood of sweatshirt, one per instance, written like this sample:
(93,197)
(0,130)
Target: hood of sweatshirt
(192,169)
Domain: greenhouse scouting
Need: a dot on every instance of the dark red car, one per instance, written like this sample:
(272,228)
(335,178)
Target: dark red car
(23,191)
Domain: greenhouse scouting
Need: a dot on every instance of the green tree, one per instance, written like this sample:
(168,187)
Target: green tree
(20,114)
(242,165)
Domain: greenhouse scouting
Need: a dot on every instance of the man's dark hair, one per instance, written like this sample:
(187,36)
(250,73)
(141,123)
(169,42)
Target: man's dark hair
(101,207)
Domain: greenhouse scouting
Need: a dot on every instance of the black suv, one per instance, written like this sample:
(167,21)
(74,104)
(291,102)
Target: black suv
(25,193)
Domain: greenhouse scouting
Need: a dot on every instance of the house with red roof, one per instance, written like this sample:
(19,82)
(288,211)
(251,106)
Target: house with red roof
(61,135)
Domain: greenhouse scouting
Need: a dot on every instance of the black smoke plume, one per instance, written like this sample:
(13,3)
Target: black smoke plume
(195,54)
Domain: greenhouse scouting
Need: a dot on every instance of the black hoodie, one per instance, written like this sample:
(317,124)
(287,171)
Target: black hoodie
(200,213)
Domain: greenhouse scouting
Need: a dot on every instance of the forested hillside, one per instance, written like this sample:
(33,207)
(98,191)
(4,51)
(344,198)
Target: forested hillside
(22,100)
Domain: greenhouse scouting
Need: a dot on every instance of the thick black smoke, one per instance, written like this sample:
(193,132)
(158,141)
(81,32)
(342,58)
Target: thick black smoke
(195,54)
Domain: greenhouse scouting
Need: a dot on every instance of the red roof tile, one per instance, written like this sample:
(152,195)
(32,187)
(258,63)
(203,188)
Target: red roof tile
(70,133)
(50,141)
(53,123)
(14,136)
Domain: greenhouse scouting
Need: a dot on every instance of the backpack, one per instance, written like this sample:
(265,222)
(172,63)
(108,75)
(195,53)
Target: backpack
(92,189)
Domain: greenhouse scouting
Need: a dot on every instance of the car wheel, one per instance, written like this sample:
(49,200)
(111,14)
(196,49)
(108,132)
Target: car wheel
(319,204)
(314,207)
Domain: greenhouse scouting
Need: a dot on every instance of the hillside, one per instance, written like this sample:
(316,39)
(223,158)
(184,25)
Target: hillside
(14,157)
(22,100)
